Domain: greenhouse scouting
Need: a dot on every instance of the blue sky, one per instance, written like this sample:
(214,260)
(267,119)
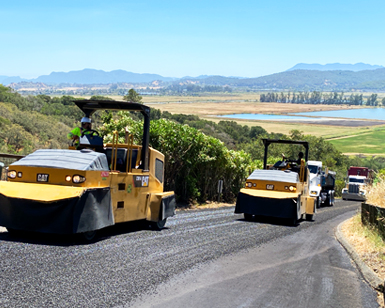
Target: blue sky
(178,38)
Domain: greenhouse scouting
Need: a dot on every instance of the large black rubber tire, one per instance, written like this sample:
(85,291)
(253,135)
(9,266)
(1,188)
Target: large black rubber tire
(14,231)
(328,202)
(89,236)
(248,217)
(332,200)
(309,217)
(158,225)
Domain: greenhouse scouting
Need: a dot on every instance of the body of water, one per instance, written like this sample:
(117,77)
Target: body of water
(365,113)
(260,116)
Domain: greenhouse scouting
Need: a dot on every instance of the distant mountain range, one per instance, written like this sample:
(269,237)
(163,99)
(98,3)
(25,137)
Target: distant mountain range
(308,80)
(335,67)
(301,77)
(89,76)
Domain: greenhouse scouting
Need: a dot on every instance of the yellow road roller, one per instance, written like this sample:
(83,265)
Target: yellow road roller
(97,185)
(280,190)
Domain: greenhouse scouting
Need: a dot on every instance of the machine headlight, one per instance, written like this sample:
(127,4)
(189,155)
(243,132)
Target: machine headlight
(292,188)
(313,192)
(19,174)
(78,179)
(12,174)
(68,178)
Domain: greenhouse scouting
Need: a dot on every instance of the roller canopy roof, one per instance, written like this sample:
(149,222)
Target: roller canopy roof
(275,176)
(65,159)
(270,141)
(267,142)
(90,106)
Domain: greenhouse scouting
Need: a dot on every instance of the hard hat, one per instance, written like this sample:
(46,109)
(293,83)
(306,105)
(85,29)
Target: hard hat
(85,120)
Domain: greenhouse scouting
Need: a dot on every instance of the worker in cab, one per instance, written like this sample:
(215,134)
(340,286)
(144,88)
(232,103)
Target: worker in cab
(300,158)
(77,132)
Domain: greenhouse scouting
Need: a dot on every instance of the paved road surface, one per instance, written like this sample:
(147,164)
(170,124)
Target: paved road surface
(209,258)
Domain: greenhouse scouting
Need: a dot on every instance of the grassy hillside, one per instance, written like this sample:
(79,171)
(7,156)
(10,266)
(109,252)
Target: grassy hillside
(372,142)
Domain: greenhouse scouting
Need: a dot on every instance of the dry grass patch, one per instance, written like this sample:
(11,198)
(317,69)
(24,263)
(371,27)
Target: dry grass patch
(203,107)
(148,99)
(376,193)
(204,205)
(369,246)
(210,105)
(325,131)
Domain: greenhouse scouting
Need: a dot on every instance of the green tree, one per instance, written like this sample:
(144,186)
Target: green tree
(372,100)
(133,96)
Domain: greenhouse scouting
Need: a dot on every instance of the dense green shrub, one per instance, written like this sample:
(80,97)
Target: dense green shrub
(194,162)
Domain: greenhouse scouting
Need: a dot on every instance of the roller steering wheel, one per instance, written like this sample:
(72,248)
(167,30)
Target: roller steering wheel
(92,131)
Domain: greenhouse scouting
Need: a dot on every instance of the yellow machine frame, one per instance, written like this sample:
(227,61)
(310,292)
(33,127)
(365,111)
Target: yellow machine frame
(82,201)
(266,193)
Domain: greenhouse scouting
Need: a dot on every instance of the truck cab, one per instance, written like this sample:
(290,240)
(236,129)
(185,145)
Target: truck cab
(355,188)
(315,170)
(322,183)
(358,178)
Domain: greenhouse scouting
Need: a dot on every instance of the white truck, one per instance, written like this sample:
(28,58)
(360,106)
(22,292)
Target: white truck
(358,178)
(322,183)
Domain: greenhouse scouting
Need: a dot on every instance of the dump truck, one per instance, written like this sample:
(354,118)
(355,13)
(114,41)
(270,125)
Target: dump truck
(322,183)
(280,190)
(357,180)
(97,185)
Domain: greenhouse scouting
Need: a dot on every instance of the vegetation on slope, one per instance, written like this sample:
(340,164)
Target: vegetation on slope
(198,152)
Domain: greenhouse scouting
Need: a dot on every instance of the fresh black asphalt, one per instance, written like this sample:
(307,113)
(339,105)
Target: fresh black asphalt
(130,261)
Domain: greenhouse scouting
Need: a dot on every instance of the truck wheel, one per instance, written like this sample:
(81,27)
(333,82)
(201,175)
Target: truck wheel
(158,225)
(332,199)
(327,201)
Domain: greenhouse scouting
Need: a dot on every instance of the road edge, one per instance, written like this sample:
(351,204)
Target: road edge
(374,281)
